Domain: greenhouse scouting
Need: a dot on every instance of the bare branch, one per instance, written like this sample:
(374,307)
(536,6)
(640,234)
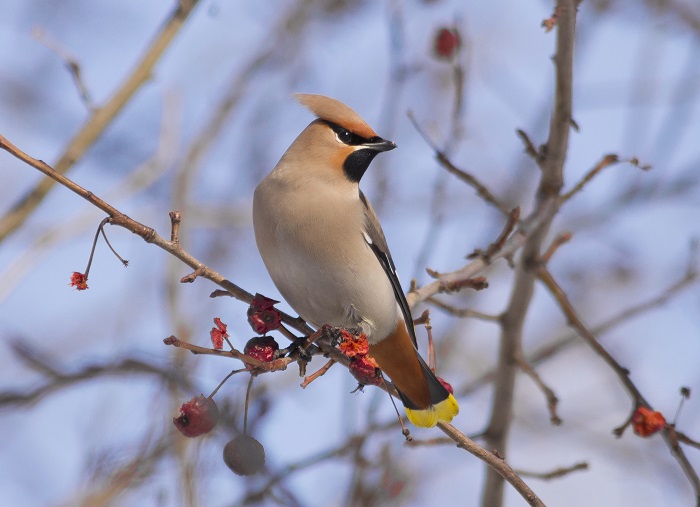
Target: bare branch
(257,366)
(552,399)
(529,146)
(496,246)
(59,379)
(551,163)
(558,241)
(495,463)
(606,161)
(622,373)
(512,245)
(322,371)
(556,473)
(71,63)
(462,312)
(466,177)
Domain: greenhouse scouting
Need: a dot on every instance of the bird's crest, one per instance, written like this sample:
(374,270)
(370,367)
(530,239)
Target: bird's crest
(336,112)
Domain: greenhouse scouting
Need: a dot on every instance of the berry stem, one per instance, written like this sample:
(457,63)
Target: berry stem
(211,396)
(247,399)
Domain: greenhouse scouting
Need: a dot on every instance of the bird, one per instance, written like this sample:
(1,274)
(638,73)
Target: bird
(326,253)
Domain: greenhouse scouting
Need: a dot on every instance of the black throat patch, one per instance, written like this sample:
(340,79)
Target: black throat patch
(357,163)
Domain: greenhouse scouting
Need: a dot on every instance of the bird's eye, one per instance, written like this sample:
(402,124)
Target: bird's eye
(344,136)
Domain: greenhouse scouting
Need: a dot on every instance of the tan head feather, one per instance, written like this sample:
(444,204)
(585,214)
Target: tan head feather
(336,112)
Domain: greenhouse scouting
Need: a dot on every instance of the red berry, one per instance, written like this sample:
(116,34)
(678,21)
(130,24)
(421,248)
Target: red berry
(244,455)
(262,348)
(78,280)
(365,371)
(646,422)
(446,385)
(446,43)
(262,315)
(197,417)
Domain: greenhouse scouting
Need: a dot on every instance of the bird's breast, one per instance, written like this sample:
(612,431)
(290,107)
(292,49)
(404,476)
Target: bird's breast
(312,244)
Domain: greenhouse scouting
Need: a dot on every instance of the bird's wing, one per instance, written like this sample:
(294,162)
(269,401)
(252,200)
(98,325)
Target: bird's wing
(374,237)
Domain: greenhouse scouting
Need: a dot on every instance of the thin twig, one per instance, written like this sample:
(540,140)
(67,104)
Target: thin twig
(625,315)
(558,241)
(529,146)
(431,442)
(606,161)
(512,245)
(59,379)
(556,473)
(462,312)
(466,177)
(143,176)
(497,246)
(552,399)
(257,365)
(92,248)
(682,437)
(71,63)
(575,322)
(321,371)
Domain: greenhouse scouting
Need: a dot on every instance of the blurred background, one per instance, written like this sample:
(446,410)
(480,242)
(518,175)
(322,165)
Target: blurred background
(87,388)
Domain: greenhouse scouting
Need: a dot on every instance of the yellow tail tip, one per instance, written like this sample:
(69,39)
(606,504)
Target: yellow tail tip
(440,412)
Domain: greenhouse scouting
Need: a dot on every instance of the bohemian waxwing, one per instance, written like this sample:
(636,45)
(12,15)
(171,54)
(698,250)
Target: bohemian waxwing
(325,250)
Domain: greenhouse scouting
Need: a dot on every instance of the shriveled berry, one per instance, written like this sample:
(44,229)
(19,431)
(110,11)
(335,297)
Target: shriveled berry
(646,422)
(197,417)
(264,321)
(353,345)
(244,455)
(365,371)
(262,348)
(261,302)
(78,280)
(218,334)
(262,314)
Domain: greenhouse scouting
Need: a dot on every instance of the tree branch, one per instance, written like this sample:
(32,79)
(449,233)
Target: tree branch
(622,373)
(551,163)
(496,463)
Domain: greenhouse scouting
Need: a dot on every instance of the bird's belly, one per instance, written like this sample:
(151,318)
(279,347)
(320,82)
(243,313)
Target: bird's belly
(353,293)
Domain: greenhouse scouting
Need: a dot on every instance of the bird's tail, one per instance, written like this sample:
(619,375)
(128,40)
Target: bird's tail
(443,406)
(425,399)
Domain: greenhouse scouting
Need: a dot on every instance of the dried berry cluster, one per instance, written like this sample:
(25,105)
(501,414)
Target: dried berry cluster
(362,366)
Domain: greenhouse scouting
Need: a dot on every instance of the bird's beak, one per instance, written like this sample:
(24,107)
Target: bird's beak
(380,145)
